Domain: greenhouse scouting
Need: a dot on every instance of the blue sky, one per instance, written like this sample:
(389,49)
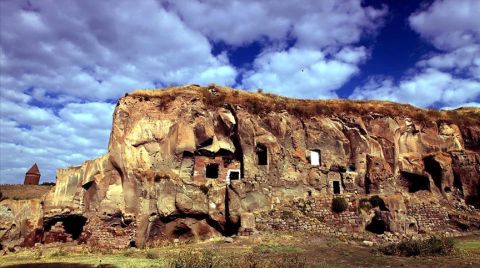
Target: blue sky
(65,63)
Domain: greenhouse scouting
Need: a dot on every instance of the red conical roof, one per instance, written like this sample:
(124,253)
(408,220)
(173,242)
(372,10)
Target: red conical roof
(34,169)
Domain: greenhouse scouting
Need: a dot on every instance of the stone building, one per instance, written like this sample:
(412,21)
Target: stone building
(32,177)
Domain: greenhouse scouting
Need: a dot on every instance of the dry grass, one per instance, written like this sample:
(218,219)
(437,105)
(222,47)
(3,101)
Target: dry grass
(23,192)
(268,250)
(258,102)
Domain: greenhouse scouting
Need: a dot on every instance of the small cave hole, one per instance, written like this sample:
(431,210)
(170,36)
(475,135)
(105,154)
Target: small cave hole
(447,189)
(234,175)
(211,171)
(183,231)
(435,170)
(377,225)
(73,224)
(415,182)
(336,187)
(132,244)
(262,154)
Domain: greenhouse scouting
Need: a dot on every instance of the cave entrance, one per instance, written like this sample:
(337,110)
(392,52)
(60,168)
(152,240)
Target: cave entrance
(377,225)
(435,170)
(262,154)
(73,224)
(415,182)
(211,171)
(336,187)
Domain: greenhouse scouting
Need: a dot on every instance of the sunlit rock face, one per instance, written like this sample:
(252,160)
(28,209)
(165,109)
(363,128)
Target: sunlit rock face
(192,163)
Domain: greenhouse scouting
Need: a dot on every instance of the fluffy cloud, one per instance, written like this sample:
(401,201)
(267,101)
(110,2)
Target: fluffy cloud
(303,72)
(450,78)
(315,24)
(323,56)
(423,89)
(449,24)
(94,50)
(80,131)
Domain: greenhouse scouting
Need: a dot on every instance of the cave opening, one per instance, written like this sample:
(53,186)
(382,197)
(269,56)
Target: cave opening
(377,225)
(211,171)
(435,170)
(415,182)
(262,154)
(336,187)
(457,183)
(73,224)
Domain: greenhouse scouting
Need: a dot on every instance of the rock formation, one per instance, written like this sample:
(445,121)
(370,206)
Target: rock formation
(194,162)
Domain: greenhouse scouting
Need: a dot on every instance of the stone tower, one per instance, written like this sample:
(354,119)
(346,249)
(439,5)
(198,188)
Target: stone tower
(32,177)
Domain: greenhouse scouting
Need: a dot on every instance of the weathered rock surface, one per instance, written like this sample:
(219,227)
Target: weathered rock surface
(194,162)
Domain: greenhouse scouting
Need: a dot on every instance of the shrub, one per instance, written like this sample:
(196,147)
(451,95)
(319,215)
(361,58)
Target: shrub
(376,201)
(339,204)
(429,247)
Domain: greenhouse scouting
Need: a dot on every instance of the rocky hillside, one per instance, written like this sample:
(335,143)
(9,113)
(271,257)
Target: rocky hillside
(193,162)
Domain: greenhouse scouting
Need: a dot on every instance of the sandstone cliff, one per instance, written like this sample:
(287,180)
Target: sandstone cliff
(193,162)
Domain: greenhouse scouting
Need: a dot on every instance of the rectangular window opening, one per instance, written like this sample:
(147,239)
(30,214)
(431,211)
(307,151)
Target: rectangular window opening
(211,171)
(234,175)
(336,187)
(262,154)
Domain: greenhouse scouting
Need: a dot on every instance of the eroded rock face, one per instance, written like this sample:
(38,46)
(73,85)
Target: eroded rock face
(190,164)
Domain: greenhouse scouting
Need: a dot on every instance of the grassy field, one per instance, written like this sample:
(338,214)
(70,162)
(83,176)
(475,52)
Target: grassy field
(21,192)
(268,250)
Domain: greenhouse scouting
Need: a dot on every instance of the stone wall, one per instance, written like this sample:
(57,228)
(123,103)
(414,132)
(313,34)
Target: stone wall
(99,233)
(313,214)
(430,217)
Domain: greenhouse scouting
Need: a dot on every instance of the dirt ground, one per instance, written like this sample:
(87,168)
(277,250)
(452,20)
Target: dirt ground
(266,250)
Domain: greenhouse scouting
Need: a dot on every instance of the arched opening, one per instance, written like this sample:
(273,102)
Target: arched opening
(415,182)
(73,224)
(376,225)
(262,154)
(434,169)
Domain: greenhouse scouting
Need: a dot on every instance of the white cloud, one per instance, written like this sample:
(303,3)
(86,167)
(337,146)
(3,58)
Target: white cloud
(449,24)
(99,52)
(448,78)
(323,57)
(424,89)
(79,132)
(300,73)
(315,24)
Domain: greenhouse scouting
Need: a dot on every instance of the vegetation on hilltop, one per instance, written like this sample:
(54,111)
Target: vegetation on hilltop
(259,102)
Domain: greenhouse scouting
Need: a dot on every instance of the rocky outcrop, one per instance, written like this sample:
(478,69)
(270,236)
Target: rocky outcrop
(194,162)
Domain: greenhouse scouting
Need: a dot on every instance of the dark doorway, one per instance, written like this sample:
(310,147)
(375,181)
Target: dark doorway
(211,171)
(73,224)
(262,154)
(336,187)
(415,182)
(377,225)
(234,175)
(434,169)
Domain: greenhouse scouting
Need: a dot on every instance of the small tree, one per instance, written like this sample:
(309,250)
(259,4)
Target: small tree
(339,204)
